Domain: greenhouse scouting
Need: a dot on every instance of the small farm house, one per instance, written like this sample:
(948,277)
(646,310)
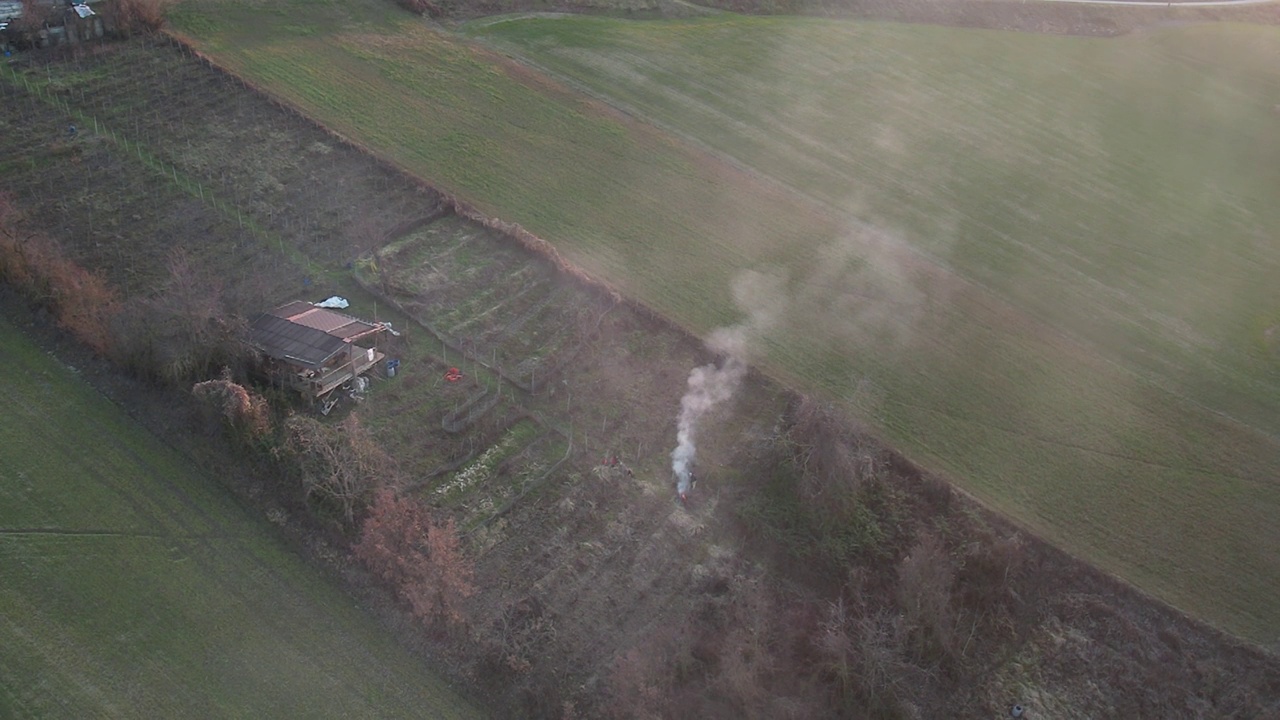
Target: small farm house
(42,23)
(315,350)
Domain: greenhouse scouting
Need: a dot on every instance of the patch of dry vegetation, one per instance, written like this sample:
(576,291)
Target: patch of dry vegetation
(183,332)
(417,555)
(138,17)
(935,620)
(35,265)
(243,410)
(878,591)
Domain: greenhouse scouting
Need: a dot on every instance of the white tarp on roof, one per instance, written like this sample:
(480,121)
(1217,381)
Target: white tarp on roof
(334,303)
(83,11)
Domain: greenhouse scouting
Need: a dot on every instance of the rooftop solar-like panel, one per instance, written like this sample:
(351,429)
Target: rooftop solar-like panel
(280,338)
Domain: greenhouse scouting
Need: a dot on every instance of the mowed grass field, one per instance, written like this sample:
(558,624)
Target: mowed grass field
(1045,266)
(132,586)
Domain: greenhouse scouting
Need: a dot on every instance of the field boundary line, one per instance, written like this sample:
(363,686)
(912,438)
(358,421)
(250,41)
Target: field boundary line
(63,532)
(461,205)
(511,51)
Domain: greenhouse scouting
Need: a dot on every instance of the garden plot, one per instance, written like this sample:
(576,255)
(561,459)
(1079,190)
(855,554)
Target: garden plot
(428,422)
(480,292)
(504,472)
(460,276)
(116,215)
(286,173)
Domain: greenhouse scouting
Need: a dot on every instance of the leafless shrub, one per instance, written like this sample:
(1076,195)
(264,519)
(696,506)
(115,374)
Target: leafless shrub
(990,567)
(420,557)
(338,463)
(925,577)
(240,409)
(835,462)
(519,634)
(183,332)
(866,656)
(138,16)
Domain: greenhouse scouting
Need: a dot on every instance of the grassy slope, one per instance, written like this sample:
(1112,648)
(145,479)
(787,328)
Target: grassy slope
(133,587)
(1063,279)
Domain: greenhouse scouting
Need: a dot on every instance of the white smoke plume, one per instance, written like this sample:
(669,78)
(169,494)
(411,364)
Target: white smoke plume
(709,386)
(761,297)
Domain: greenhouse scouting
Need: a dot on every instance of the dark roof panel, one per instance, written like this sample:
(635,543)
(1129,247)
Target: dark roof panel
(285,340)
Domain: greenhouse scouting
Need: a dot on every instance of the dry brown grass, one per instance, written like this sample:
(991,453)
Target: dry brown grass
(418,556)
(240,409)
(137,17)
(81,301)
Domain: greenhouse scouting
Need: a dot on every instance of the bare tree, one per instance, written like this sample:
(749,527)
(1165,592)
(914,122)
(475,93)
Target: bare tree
(184,332)
(420,557)
(340,464)
(925,576)
(835,461)
(866,655)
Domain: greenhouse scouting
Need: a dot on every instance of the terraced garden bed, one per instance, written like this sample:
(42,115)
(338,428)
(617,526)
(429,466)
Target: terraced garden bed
(491,481)
(486,296)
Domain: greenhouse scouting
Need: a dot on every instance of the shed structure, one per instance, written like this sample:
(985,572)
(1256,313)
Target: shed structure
(315,350)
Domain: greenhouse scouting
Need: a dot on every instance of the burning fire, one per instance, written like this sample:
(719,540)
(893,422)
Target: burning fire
(709,385)
(763,298)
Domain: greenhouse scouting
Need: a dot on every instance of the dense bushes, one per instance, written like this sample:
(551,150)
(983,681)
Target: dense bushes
(243,411)
(421,558)
(182,333)
(915,592)
(81,301)
(130,17)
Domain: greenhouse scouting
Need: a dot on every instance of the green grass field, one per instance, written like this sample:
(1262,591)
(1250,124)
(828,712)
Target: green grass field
(134,587)
(1043,265)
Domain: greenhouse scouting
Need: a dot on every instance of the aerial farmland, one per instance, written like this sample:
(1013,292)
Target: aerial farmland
(964,340)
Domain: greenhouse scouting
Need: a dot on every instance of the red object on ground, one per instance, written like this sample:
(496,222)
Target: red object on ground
(454,375)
